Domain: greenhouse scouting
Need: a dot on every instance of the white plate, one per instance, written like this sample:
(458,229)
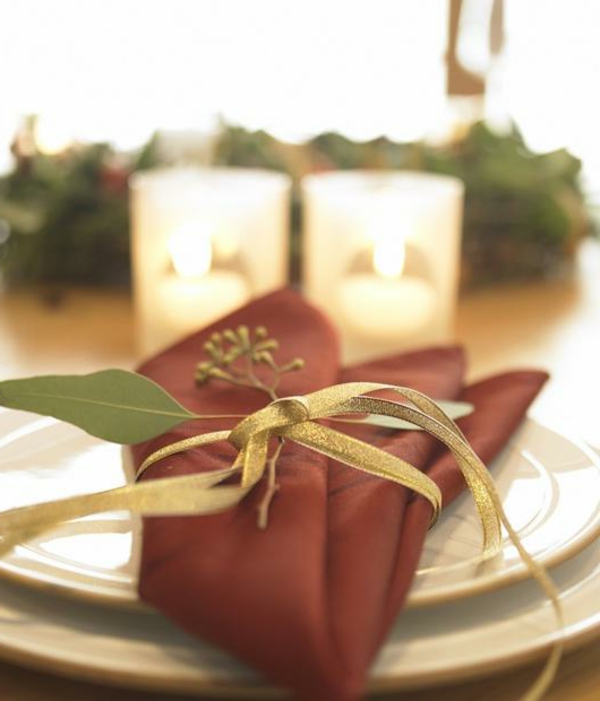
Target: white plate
(428,646)
(548,483)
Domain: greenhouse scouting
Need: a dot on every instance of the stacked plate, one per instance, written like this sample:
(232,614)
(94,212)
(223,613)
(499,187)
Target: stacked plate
(87,622)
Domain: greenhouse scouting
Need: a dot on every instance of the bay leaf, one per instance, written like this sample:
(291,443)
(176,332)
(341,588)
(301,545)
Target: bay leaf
(116,405)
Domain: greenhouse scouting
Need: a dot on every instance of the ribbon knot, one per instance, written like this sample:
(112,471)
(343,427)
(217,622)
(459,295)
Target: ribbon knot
(286,411)
(296,419)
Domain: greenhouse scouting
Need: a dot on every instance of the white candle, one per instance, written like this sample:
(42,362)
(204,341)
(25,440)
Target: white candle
(184,217)
(387,303)
(381,257)
(384,308)
(192,294)
(187,304)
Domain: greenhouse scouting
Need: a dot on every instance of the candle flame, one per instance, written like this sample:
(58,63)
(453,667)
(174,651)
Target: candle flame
(389,255)
(191,251)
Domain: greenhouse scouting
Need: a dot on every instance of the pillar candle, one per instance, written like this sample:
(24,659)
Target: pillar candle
(204,241)
(381,256)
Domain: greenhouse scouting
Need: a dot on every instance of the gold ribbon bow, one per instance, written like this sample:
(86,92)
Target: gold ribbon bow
(295,419)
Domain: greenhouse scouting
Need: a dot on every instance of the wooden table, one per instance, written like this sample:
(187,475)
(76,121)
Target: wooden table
(551,324)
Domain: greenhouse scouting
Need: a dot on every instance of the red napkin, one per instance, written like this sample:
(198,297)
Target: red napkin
(308,601)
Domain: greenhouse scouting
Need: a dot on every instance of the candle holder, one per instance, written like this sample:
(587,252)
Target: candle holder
(382,256)
(204,241)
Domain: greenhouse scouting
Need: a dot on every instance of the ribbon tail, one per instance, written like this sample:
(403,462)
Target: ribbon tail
(476,475)
(190,494)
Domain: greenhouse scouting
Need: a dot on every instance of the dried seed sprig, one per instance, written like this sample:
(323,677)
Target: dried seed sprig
(234,355)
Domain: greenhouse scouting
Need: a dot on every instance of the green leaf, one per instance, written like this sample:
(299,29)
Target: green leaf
(455,410)
(118,406)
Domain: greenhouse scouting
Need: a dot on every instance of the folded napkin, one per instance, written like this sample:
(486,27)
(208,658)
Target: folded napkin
(308,601)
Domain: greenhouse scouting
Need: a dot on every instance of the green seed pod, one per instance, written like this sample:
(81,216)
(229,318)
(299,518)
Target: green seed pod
(266,358)
(202,372)
(244,336)
(219,374)
(296,364)
(231,356)
(230,336)
(270,345)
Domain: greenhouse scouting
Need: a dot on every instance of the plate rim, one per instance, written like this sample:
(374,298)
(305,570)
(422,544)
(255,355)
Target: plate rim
(574,636)
(482,586)
(114,601)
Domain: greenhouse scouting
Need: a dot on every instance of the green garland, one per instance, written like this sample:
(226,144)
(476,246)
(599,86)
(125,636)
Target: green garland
(524,212)
(64,219)
(67,215)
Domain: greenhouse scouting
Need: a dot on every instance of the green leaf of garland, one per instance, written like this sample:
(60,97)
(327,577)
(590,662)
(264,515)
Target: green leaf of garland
(116,405)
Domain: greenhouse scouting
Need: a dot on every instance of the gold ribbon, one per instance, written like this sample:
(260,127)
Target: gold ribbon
(294,418)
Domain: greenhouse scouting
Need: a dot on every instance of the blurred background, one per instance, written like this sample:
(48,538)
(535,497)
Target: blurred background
(500,94)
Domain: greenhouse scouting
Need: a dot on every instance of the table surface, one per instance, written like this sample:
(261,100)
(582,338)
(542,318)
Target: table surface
(553,324)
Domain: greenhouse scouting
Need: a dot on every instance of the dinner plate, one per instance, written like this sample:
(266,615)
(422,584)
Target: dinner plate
(428,646)
(548,484)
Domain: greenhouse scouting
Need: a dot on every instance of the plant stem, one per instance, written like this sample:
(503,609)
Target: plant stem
(272,487)
(219,416)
